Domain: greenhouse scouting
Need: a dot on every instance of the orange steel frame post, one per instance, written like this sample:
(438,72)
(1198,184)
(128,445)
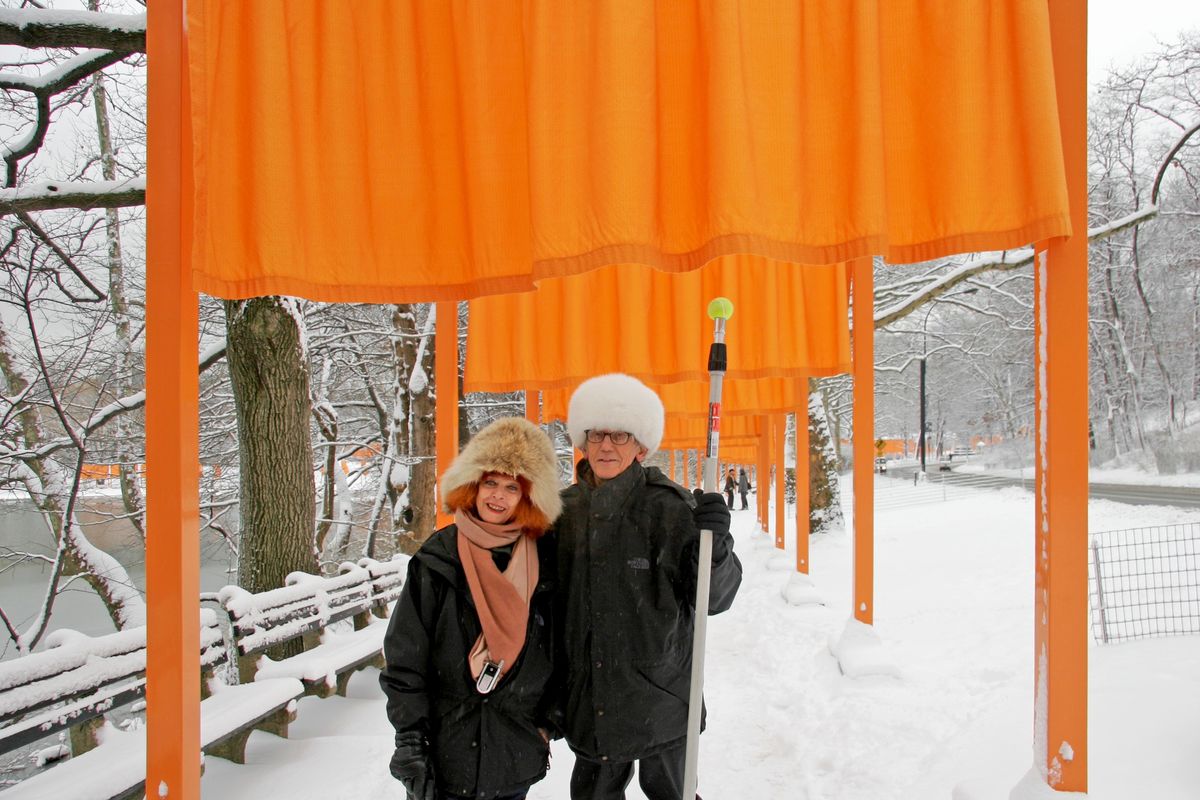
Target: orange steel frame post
(533,410)
(671,459)
(764,475)
(803,500)
(864,441)
(1060,500)
(445,371)
(779,433)
(172,425)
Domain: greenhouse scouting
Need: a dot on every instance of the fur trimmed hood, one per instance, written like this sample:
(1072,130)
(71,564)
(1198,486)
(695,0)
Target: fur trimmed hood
(513,446)
(616,402)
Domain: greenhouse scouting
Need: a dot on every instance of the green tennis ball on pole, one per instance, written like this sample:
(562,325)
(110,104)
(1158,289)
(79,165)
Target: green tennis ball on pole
(720,308)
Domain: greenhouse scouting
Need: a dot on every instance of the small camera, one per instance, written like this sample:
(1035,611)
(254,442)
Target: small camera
(489,676)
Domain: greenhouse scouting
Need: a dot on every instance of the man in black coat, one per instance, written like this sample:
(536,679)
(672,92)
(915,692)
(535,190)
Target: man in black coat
(628,543)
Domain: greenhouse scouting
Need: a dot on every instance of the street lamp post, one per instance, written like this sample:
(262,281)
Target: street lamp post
(921,442)
(921,435)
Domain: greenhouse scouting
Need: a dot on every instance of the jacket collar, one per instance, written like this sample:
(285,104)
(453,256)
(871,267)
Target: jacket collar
(610,497)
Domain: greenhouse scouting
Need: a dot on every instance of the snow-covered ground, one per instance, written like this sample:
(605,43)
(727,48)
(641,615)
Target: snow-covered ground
(954,598)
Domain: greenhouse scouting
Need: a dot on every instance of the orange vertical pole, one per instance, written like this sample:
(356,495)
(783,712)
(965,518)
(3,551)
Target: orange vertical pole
(764,488)
(802,478)
(779,434)
(533,411)
(764,474)
(445,367)
(864,440)
(172,424)
(672,460)
(1061,357)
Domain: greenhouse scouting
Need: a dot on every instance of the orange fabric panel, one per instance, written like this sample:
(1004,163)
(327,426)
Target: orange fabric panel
(690,399)
(692,428)
(444,150)
(788,320)
(364,151)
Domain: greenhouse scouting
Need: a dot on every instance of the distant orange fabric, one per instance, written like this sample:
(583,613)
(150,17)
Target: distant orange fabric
(690,399)
(384,150)
(789,320)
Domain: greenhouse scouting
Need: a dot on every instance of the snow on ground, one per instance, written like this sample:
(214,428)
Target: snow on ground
(954,600)
(1120,475)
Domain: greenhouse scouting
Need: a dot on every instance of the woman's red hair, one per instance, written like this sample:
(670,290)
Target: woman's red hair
(528,516)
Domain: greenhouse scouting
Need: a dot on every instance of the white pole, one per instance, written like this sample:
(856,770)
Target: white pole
(719,310)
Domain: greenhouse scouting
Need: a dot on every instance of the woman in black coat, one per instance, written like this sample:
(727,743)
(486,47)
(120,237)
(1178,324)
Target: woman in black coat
(469,678)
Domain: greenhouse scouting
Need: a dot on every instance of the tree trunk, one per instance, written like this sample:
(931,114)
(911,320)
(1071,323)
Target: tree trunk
(125,432)
(422,494)
(825,493)
(268,367)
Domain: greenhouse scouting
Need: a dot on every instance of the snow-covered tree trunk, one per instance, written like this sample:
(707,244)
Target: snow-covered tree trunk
(422,494)
(825,494)
(268,368)
(326,417)
(125,433)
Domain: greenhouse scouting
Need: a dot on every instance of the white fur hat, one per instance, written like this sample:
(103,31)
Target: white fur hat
(616,402)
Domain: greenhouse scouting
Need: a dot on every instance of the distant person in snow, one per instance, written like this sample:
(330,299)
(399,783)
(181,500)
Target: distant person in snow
(470,648)
(744,487)
(730,485)
(628,543)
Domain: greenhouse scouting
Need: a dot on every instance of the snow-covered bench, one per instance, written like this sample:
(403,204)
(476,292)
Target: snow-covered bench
(78,678)
(307,608)
(116,769)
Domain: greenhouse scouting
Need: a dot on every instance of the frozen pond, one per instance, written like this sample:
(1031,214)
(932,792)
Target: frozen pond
(23,587)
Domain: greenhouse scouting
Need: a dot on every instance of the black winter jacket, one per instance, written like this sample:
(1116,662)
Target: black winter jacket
(627,555)
(481,745)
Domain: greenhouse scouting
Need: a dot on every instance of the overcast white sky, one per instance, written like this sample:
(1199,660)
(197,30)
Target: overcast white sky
(1120,30)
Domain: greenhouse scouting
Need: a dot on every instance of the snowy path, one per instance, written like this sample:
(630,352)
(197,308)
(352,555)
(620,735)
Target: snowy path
(954,609)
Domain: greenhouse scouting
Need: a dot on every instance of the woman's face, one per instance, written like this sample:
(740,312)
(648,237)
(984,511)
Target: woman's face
(497,499)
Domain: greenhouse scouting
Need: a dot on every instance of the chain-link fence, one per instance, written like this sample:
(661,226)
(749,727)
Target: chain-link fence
(1144,582)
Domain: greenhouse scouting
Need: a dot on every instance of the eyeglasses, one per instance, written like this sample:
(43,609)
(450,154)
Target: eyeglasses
(616,437)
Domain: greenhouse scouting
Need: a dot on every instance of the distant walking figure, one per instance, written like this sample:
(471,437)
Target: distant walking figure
(743,489)
(730,485)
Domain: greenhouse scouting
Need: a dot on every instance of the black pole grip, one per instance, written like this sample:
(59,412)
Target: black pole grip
(716,357)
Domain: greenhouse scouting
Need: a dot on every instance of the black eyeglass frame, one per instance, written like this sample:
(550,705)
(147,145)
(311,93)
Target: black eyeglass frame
(616,437)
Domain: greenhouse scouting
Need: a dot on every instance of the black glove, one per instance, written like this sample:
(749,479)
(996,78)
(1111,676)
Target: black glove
(412,766)
(712,513)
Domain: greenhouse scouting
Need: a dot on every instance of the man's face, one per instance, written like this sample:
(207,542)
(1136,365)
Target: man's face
(609,460)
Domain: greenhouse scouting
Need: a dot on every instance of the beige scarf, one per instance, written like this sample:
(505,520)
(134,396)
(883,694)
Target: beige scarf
(501,599)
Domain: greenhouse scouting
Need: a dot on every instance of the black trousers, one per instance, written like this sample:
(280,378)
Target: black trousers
(659,775)
(729,497)
(745,502)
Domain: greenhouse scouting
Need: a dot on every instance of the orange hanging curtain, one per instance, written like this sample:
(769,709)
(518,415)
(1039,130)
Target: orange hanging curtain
(788,320)
(690,399)
(693,429)
(391,150)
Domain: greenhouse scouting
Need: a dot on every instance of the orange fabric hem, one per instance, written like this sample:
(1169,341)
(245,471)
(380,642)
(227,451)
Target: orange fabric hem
(356,293)
(1045,228)
(734,244)
(502,387)
(727,245)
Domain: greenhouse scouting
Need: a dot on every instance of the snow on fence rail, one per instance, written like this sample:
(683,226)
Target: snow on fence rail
(1144,582)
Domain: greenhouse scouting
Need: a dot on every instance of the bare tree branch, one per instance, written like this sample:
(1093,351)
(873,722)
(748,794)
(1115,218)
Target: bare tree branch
(35,28)
(73,194)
